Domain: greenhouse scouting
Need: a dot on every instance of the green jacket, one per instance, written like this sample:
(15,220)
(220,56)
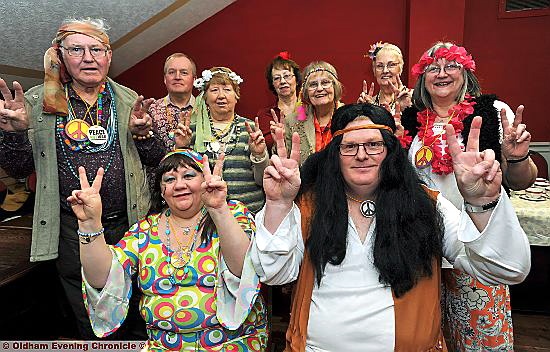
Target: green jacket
(306,130)
(46,219)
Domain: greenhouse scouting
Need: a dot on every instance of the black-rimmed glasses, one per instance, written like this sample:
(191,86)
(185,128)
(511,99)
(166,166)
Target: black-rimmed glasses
(371,148)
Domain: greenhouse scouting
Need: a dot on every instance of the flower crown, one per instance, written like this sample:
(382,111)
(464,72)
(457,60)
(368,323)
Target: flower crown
(454,53)
(374,49)
(207,75)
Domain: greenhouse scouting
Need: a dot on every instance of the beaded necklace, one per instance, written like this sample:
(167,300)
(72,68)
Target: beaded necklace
(179,258)
(225,141)
(65,143)
(437,154)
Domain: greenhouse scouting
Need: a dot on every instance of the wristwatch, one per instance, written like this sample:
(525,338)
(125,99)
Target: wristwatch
(470,208)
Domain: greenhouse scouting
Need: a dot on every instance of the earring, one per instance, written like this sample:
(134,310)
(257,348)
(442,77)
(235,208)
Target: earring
(163,202)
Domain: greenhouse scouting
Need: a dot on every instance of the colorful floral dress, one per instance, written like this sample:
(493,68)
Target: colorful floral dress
(201,307)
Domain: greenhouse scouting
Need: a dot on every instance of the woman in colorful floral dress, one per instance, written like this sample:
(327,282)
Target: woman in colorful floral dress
(200,292)
(476,316)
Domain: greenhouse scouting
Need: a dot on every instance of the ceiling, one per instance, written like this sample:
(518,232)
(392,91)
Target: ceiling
(138,28)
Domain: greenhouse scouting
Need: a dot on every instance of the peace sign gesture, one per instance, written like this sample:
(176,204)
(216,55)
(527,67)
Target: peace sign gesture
(183,133)
(86,202)
(402,95)
(367,94)
(214,188)
(13,116)
(515,144)
(140,122)
(477,174)
(277,123)
(256,141)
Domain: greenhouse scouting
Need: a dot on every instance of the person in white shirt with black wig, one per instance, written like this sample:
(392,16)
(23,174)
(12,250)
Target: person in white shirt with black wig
(364,237)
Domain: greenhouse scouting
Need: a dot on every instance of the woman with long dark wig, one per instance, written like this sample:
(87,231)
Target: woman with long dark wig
(365,238)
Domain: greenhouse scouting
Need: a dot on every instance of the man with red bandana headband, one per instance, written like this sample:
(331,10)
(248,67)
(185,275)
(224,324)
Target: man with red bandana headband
(78,117)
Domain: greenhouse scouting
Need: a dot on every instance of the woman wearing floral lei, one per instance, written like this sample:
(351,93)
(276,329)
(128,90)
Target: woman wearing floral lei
(387,66)
(215,128)
(478,317)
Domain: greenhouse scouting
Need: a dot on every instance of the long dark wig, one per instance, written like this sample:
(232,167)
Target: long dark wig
(409,228)
(171,163)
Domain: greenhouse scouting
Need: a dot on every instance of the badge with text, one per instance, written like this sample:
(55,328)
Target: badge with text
(97,134)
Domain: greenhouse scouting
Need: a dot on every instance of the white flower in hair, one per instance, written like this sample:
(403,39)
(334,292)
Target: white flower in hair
(235,78)
(207,75)
(199,83)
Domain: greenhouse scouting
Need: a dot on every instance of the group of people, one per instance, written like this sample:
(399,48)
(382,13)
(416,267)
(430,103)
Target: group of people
(358,204)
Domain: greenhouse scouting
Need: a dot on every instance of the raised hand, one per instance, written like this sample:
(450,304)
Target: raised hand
(367,95)
(400,130)
(183,133)
(13,116)
(86,201)
(516,139)
(282,177)
(403,95)
(277,123)
(477,174)
(214,188)
(140,122)
(256,141)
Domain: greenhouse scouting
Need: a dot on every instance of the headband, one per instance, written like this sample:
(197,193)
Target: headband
(196,157)
(363,127)
(318,69)
(56,75)
(454,53)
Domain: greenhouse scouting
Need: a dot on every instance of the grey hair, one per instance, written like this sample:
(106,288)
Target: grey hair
(421,97)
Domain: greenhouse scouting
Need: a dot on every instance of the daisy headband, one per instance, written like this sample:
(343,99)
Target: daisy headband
(454,53)
(196,157)
(207,75)
(370,126)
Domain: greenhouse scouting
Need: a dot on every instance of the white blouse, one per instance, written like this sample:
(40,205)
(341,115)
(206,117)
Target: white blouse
(351,310)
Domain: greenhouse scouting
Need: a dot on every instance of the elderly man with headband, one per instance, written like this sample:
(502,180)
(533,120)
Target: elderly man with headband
(365,238)
(78,117)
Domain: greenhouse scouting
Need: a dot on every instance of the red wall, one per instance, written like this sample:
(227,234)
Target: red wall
(511,54)
(246,35)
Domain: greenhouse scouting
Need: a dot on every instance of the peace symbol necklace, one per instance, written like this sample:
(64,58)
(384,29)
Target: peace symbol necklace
(366,207)
(435,154)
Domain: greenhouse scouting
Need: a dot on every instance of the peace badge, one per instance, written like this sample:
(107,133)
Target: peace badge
(97,134)
(77,130)
(423,157)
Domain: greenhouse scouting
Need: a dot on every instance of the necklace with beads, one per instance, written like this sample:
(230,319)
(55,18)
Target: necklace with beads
(366,207)
(434,151)
(178,258)
(224,140)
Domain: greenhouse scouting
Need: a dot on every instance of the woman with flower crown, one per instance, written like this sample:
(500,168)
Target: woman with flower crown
(477,316)
(387,66)
(215,128)
(200,290)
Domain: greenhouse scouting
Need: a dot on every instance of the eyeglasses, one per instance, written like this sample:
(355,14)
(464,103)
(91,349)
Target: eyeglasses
(77,51)
(287,77)
(371,148)
(448,68)
(390,65)
(174,73)
(325,84)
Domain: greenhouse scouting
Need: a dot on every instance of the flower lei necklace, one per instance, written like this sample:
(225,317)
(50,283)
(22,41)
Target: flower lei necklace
(437,154)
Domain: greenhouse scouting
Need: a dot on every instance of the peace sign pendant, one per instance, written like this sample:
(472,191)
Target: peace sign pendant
(368,208)
(77,130)
(423,157)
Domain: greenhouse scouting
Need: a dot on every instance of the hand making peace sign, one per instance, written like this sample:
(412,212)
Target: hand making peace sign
(13,116)
(214,188)
(140,122)
(183,133)
(86,201)
(477,174)
(516,139)
(367,94)
(276,123)
(256,141)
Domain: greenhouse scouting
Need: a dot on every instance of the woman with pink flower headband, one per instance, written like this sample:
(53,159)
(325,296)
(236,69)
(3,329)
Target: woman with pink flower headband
(387,66)
(477,316)
(320,93)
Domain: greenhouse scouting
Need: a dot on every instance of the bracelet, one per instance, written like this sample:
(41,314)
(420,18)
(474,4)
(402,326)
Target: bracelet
(480,208)
(86,238)
(141,138)
(519,160)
